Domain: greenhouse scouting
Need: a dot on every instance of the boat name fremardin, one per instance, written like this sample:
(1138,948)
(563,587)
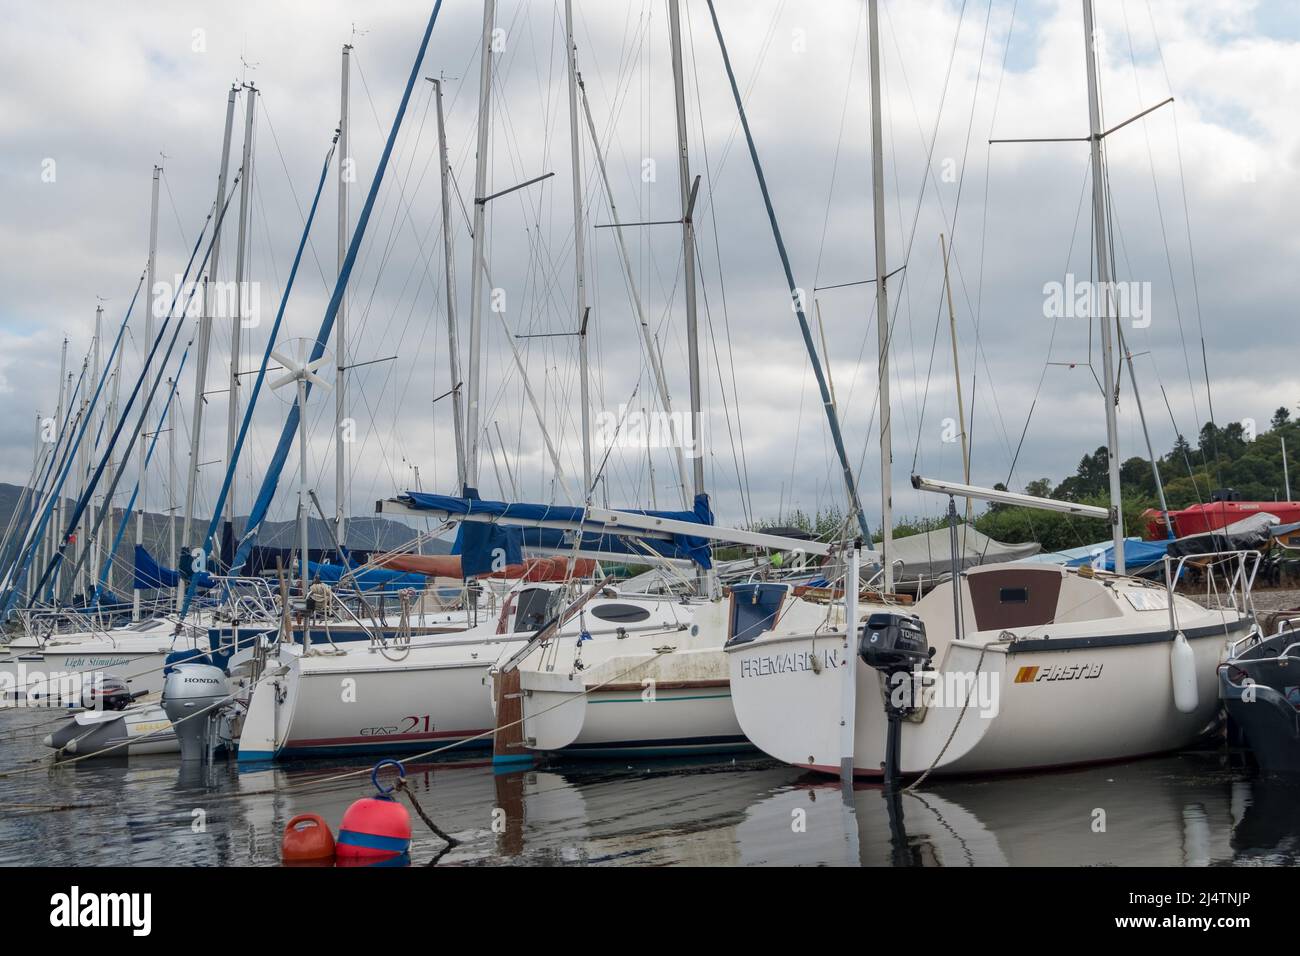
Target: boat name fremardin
(787,663)
(75,909)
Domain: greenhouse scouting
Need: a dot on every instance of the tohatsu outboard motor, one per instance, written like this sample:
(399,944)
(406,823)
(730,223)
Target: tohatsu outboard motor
(895,644)
(192,694)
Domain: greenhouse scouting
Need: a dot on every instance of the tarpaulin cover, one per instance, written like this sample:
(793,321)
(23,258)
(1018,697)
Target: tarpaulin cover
(367,579)
(1247,534)
(1138,554)
(679,546)
(929,555)
(1066,555)
(151,576)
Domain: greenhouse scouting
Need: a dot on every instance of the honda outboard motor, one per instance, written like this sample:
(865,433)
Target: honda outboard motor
(194,689)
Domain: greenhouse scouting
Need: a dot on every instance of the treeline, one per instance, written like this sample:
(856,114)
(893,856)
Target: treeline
(1223,457)
(1236,456)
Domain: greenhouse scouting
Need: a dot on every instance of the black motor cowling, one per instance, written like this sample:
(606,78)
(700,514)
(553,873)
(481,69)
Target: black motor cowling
(892,642)
(107,693)
(895,644)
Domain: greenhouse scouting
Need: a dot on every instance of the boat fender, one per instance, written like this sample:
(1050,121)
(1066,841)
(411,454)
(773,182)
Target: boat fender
(1182,665)
(375,829)
(307,839)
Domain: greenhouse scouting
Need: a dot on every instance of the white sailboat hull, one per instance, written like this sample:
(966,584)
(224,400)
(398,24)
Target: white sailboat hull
(1053,707)
(361,702)
(681,706)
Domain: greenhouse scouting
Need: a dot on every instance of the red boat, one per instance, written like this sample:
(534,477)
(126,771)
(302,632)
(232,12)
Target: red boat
(1223,510)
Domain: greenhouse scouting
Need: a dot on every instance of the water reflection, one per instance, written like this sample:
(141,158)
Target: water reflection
(1175,811)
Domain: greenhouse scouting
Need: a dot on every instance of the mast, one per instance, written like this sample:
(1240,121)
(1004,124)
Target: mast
(584,372)
(647,338)
(96,366)
(453,341)
(241,259)
(1286,475)
(150,272)
(303,552)
(51,546)
(84,452)
(688,242)
(205,337)
(83,466)
(172,393)
(114,403)
(956,372)
(796,300)
(882,308)
(1151,452)
(476,270)
(340,332)
(1110,385)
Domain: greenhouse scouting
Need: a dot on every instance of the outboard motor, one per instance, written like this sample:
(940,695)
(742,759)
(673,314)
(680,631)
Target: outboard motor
(190,655)
(189,689)
(895,644)
(108,693)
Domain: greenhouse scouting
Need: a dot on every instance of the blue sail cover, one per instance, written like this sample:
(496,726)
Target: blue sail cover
(152,576)
(487,548)
(678,546)
(368,579)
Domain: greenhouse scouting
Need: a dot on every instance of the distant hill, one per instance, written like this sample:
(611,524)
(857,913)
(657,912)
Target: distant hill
(365,533)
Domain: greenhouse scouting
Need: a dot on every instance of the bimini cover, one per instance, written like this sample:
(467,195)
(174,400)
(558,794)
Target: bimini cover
(151,576)
(1244,535)
(476,546)
(367,579)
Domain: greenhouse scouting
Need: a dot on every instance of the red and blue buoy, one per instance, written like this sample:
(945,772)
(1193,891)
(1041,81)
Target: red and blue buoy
(375,829)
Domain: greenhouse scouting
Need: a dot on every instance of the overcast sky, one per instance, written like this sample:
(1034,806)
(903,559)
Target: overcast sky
(92,95)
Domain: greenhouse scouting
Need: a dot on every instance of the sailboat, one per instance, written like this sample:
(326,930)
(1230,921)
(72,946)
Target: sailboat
(1005,668)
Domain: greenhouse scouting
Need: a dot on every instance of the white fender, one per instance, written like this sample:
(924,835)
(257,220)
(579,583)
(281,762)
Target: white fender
(1182,667)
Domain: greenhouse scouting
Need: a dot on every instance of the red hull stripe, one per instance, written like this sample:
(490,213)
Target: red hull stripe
(382,738)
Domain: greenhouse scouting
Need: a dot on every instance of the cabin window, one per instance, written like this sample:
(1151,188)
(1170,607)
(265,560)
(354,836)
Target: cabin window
(754,608)
(620,613)
(1013,595)
(532,608)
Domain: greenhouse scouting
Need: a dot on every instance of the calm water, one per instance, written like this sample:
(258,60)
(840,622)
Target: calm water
(1184,810)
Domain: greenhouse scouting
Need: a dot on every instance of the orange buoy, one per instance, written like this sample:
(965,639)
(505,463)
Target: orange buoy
(375,828)
(307,839)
